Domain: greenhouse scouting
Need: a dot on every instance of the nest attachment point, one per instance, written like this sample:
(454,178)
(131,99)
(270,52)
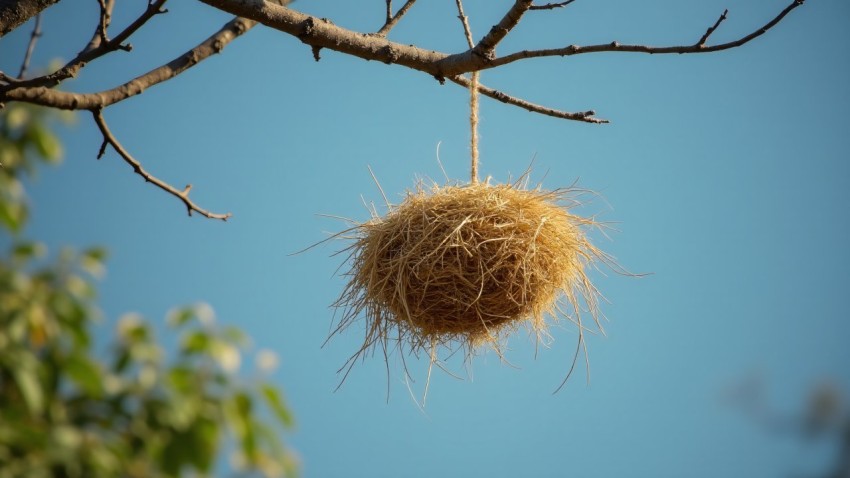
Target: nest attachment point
(461,266)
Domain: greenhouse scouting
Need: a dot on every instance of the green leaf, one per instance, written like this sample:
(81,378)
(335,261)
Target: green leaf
(67,407)
(25,251)
(277,404)
(243,424)
(182,379)
(30,389)
(204,438)
(174,455)
(227,356)
(180,316)
(182,411)
(92,261)
(10,156)
(46,143)
(132,330)
(64,436)
(235,336)
(122,361)
(196,342)
(193,447)
(85,373)
(244,405)
(13,215)
(96,253)
(79,287)
(17,116)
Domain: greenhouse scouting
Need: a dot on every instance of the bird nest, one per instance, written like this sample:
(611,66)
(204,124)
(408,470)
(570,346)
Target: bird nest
(461,266)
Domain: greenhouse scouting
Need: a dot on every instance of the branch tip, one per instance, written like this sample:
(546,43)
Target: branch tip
(487,46)
(583,116)
(34,36)
(98,46)
(102,150)
(392,20)
(110,139)
(701,42)
(698,47)
(551,6)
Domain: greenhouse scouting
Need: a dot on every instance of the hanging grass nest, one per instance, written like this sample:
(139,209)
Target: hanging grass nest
(463,266)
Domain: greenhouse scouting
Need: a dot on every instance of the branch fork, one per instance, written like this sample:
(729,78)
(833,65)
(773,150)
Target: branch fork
(318,34)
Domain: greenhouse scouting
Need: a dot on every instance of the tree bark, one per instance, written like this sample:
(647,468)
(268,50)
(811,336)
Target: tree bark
(13,13)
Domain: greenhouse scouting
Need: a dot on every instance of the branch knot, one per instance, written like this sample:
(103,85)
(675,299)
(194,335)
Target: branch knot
(308,28)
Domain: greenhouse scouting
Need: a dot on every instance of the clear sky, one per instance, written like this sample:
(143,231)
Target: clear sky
(727,175)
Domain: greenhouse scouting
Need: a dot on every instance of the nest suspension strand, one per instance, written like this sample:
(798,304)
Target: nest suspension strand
(462,266)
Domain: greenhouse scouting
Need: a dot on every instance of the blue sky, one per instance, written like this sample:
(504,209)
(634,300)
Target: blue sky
(726,175)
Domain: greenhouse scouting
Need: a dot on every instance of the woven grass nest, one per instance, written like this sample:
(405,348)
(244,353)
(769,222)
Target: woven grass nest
(462,266)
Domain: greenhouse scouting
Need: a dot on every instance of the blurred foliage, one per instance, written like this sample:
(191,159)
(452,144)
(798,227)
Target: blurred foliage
(66,411)
(70,409)
(823,417)
(26,138)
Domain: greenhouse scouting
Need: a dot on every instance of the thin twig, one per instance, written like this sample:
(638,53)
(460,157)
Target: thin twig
(711,29)
(325,34)
(36,33)
(389,11)
(487,46)
(110,140)
(7,80)
(551,6)
(95,49)
(584,116)
(85,101)
(618,47)
(100,35)
(392,21)
(465,21)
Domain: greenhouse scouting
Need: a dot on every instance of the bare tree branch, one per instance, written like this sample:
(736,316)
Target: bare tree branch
(96,47)
(393,20)
(314,32)
(319,32)
(615,46)
(584,116)
(324,34)
(87,101)
(13,13)
(110,140)
(551,6)
(487,46)
(711,29)
(7,80)
(100,34)
(465,21)
(36,33)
